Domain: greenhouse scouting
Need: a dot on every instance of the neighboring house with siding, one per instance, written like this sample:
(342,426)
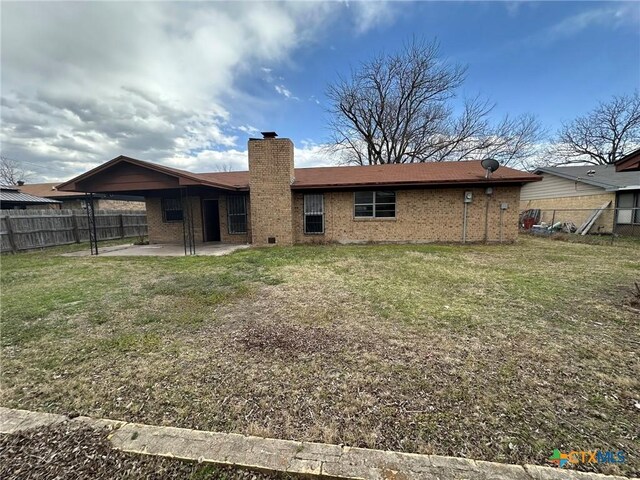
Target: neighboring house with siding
(75,200)
(574,191)
(276,203)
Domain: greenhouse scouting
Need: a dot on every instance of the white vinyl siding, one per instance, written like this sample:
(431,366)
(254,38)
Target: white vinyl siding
(552,186)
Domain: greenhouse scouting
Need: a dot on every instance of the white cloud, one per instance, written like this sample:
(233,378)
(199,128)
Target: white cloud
(308,154)
(248,129)
(286,93)
(611,16)
(371,14)
(85,82)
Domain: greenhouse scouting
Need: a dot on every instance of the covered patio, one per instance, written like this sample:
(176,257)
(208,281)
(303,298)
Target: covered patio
(184,209)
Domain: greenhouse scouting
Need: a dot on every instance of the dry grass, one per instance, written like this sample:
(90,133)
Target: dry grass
(498,353)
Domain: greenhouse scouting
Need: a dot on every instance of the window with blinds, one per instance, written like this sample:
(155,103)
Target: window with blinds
(314,214)
(628,208)
(236,214)
(380,204)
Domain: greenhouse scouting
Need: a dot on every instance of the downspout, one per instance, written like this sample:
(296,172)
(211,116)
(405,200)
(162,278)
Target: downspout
(488,192)
(464,223)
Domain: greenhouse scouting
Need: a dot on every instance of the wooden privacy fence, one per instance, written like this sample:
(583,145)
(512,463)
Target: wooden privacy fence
(27,229)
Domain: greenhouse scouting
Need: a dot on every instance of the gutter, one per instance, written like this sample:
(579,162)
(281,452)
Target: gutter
(448,184)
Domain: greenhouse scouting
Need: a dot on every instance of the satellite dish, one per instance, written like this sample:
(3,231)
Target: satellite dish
(490,165)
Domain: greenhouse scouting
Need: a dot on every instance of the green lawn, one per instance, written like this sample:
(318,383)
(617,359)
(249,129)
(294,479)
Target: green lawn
(500,353)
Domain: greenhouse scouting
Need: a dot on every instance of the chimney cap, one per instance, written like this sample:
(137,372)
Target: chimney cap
(269,134)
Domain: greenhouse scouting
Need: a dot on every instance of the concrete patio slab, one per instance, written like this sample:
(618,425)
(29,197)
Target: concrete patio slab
(318,460)
(159,250)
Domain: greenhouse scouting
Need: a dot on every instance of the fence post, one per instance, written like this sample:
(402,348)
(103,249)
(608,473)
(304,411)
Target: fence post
(76,231)
(12,240)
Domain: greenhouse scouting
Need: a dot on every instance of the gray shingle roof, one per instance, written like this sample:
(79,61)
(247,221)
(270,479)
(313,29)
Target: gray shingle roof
(604,176)
(13,195)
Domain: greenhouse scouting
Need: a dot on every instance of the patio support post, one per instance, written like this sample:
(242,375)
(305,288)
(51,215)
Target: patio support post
(188,232)
(91,223)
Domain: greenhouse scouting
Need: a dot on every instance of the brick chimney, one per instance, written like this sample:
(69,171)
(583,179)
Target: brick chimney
(270,179)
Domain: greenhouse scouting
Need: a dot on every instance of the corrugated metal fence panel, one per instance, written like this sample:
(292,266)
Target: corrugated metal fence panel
(45,228)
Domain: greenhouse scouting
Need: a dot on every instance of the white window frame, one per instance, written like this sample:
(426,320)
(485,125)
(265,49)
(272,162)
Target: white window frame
(373,213)
(629,215)
(314,213)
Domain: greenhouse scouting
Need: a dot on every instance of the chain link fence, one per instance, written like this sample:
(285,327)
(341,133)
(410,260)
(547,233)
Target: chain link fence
(582,221)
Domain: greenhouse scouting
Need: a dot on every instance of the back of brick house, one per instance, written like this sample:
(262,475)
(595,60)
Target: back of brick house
(275,203)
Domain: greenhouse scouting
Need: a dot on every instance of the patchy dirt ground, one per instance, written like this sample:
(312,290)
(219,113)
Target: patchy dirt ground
(496,353)
(65,452)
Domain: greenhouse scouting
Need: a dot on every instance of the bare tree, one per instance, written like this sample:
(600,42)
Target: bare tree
(397,108)
(11,171)
(224,167)
(602,136)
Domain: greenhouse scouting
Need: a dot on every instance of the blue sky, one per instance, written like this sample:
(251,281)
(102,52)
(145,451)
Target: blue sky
(554,59)
(186,84)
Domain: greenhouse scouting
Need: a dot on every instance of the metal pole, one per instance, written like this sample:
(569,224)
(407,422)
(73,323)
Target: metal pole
(614,227)
(464,224)
(184,225)
(486,221)
(192,232)
(91,218)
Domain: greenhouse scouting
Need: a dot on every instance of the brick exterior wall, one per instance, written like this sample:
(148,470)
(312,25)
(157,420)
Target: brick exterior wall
(227,237)
(270,178)
(171,232)
(422,215)
(568,210)
(108,204)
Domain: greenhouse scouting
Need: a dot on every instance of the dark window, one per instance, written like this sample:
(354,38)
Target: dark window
(314,214)
(237,214)
(381,204)
(171,210)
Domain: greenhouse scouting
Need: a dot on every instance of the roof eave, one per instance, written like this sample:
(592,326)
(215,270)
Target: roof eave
(453,183)
(574,178)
